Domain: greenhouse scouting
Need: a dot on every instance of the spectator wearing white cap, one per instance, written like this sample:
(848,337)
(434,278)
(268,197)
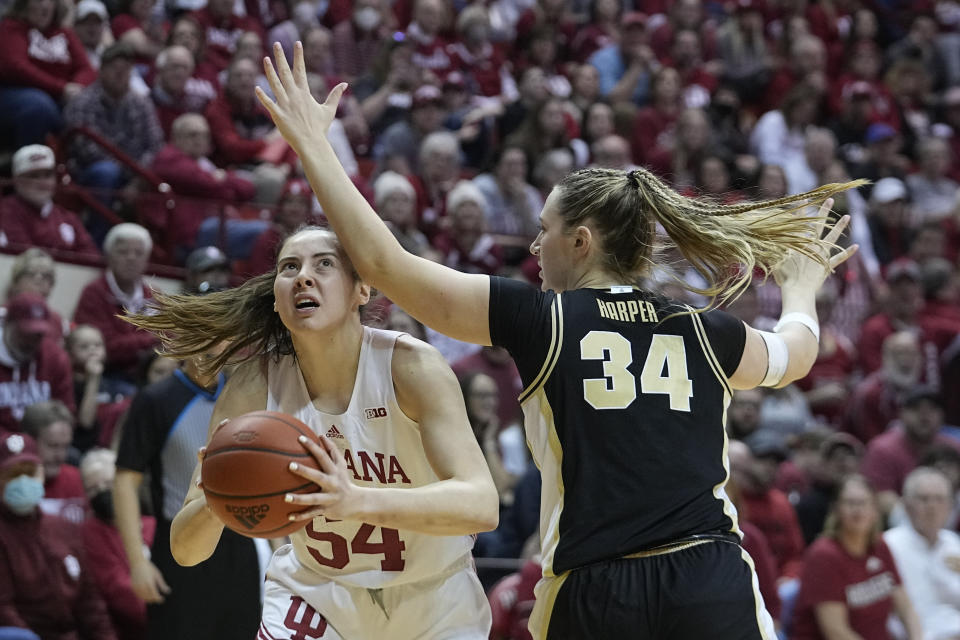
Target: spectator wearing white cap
(29,217)
(89,24)
(888,219)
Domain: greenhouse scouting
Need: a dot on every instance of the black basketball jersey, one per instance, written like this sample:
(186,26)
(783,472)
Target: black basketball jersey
(624,412)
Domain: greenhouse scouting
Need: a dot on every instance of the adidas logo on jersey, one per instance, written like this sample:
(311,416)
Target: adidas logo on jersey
(378,412)
(333,432)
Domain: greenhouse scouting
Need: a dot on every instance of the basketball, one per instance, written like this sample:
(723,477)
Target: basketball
(245,473)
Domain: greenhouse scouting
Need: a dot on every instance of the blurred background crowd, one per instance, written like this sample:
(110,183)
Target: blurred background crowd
(131,143)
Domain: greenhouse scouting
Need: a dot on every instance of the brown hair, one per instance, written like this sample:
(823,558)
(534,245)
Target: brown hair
(243,318)
(18,9)
(715,238)
(41,415)
(831,526)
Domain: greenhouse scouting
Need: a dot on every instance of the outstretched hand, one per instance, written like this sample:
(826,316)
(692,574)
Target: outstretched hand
(801,270)
(299,117)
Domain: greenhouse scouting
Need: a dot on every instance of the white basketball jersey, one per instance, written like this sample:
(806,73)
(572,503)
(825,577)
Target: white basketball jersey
(382,447)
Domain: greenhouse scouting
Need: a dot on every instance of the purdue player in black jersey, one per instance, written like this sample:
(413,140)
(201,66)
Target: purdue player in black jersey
(626,391)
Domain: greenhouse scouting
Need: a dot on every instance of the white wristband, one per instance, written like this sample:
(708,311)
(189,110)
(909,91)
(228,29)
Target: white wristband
(800,318)
(778,356)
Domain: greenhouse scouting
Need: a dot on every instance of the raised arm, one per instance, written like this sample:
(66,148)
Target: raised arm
(451,302)
(463,501)
(793,345)
(196,531)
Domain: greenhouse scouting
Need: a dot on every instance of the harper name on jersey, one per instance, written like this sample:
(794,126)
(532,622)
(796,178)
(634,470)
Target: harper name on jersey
(382,447)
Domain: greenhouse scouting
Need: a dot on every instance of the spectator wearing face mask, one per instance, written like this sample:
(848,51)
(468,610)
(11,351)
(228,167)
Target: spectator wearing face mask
(45,583)
(357,41)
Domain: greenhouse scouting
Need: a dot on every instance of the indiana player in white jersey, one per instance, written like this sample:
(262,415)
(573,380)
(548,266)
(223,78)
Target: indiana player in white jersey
(386,549)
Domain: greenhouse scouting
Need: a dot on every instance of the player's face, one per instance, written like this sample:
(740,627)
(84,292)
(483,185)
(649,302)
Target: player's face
(552,246)
(315,288)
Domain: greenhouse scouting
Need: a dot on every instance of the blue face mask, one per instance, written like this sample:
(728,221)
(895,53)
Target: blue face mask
(23,494)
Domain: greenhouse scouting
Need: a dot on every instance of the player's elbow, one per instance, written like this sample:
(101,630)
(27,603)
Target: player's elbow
(488,509)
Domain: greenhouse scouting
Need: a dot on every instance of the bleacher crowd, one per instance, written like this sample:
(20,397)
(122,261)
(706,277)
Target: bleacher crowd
(131,138)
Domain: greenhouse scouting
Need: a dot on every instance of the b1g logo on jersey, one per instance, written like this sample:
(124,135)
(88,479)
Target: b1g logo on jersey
(249,516)
(378,412)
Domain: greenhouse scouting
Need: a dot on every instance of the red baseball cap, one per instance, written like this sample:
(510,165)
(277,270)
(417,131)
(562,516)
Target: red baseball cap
(18,447)
(30,312)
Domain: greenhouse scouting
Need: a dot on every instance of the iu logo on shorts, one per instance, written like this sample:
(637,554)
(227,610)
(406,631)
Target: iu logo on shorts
(304,620)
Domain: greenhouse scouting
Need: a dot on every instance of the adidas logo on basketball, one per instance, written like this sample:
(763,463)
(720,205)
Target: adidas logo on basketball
(249,516)
(333,432)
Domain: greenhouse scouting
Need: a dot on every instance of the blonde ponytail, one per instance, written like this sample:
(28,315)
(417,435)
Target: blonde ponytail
(724,243)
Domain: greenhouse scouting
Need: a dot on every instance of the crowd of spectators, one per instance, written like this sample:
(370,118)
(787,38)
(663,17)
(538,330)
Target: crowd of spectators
(459,119)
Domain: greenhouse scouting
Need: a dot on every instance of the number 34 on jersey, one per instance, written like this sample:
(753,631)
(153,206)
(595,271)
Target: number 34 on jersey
(664,371)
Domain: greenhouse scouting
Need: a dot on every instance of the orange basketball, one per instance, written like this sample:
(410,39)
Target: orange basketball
(245,473)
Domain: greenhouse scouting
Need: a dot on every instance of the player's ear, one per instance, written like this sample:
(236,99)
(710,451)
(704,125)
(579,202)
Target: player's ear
(364,293)
(582,240)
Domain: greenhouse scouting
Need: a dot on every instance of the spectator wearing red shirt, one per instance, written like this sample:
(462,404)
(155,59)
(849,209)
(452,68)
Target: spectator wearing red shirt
(121,289)
(293,211)
(496,363)
(941,289)
(358,40)
(104,547)
(465,245)
(891,456)
(684,15)
(134,27)
(430,18)
(184,165)
(807,64)
(241,127)
(903,314)
(50,424)
(754,467)
(34,271)
(45,580)
(41,64)
(32,368)
(697,78)
(877,399)
(480,61)
(653,127)
(547,14)
(439,159)
(850,584)
(601,30)
(827,386)
(175,89)
(222,29)
(29,217)
(864,64)
(187,32)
